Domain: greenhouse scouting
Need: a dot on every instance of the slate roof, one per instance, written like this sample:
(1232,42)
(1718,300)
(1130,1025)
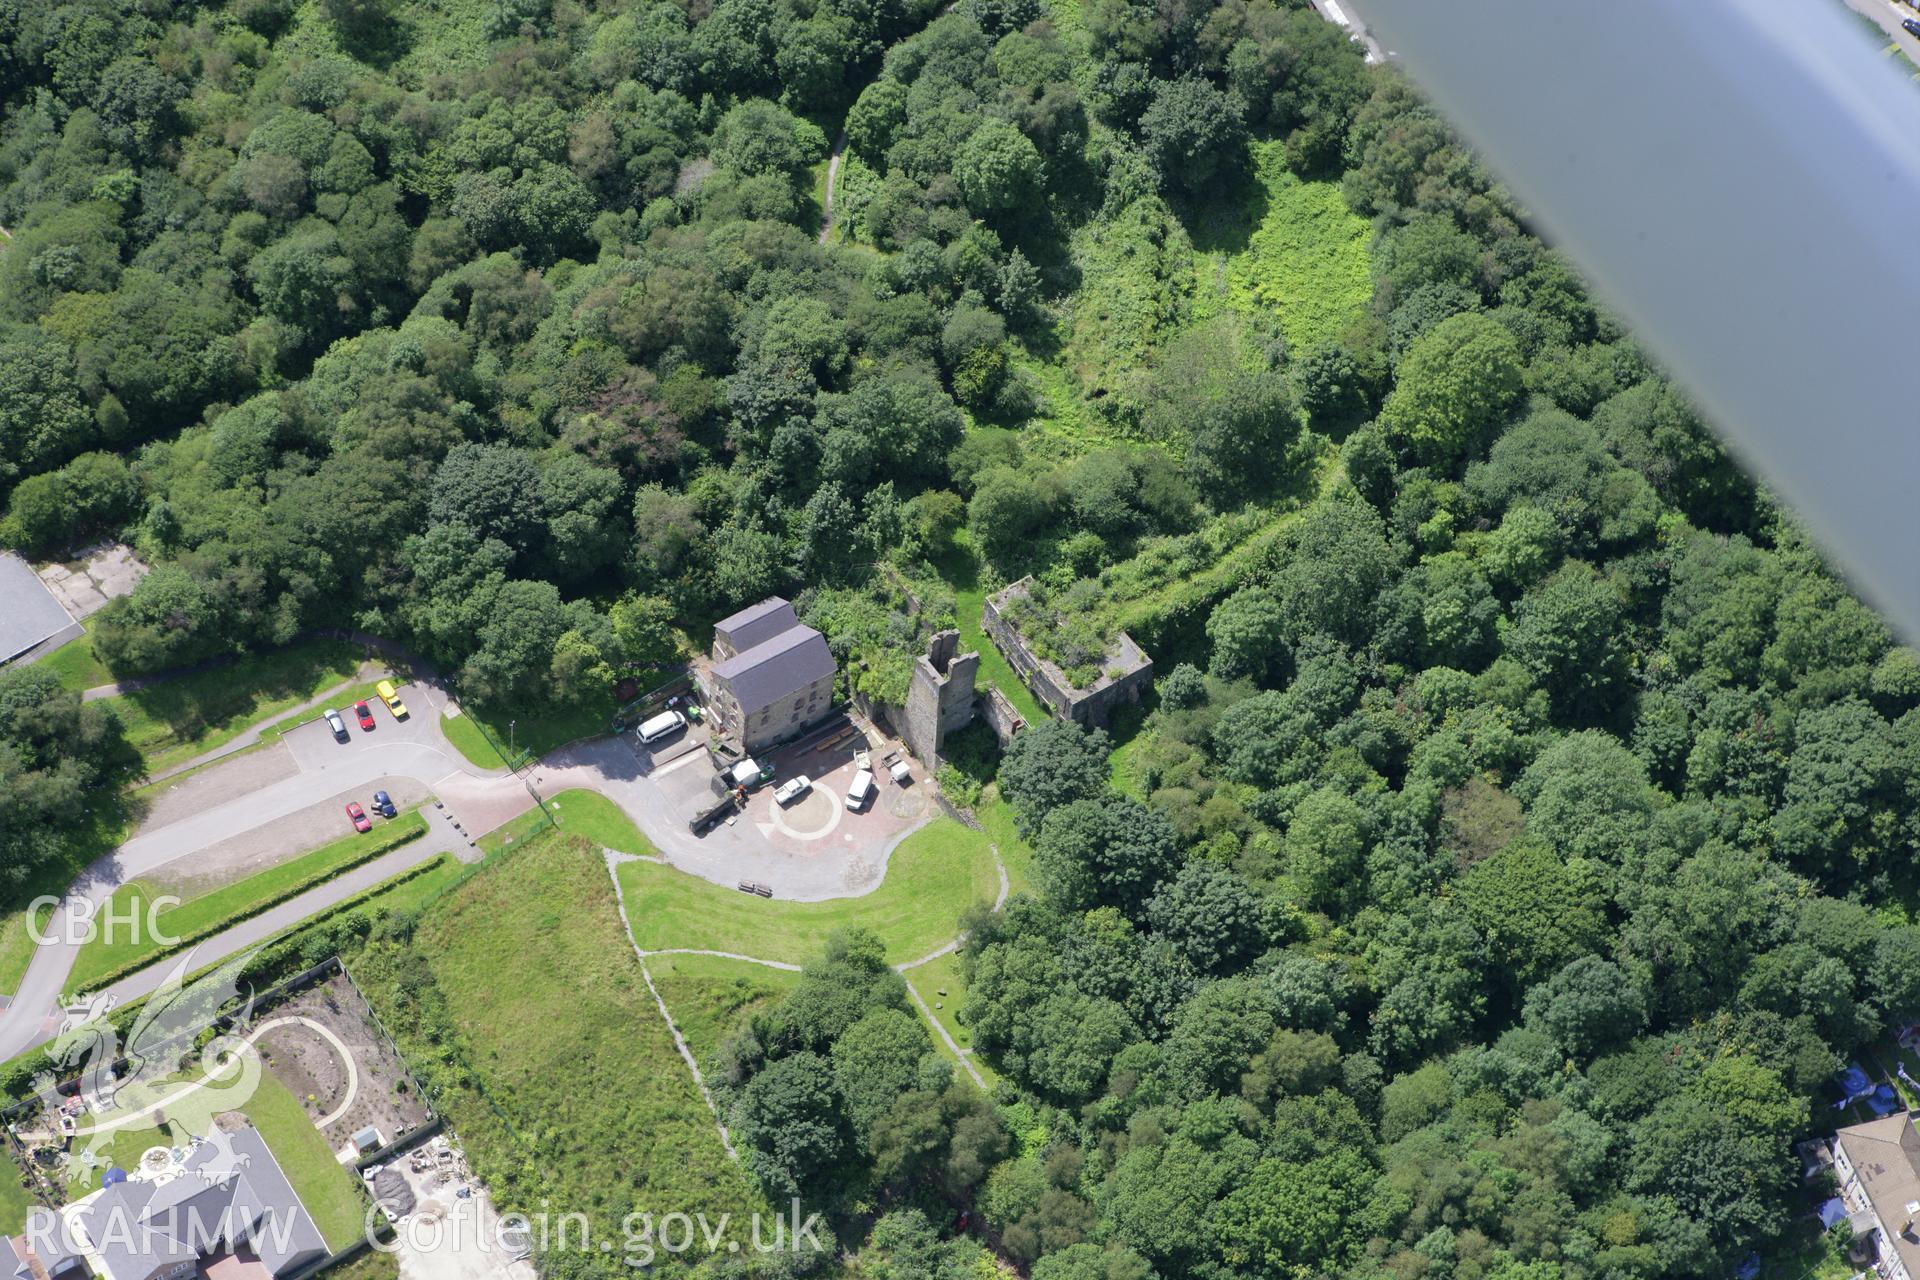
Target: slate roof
(49,1242)
(231,1191)
(28,611)
(1885,1155)
(756,624)
(775,668)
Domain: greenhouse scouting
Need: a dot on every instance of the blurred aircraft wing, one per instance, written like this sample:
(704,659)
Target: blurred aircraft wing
(1740,179)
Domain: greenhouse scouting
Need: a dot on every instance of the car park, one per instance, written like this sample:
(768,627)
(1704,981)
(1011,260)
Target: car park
(860,790)
(358,816)
(792,789)
(365,713)
(339,726)
(383,805)
(661,726)
(391,696)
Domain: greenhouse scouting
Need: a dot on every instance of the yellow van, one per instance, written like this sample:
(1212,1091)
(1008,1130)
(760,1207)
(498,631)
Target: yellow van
(390,696)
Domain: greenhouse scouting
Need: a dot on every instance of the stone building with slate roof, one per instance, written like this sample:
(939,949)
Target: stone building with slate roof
(771,678)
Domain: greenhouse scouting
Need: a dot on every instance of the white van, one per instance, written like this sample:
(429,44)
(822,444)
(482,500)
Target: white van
(859,789)
(661,725)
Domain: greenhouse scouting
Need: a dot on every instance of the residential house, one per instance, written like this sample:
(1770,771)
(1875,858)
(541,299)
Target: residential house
(771,677)
(228,1199)
(1877,1165)
(47,1250)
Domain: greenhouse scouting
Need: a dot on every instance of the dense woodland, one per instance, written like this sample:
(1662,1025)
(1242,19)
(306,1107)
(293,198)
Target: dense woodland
(1523,829)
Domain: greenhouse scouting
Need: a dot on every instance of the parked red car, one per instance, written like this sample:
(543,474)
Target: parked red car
(359,818)
(365,713)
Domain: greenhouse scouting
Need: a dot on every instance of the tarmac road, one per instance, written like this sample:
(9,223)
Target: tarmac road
(414,749)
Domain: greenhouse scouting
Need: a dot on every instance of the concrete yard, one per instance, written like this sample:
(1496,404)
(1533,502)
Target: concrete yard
(812,849)
(106,572)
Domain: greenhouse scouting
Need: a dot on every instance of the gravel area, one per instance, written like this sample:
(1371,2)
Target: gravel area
(276,842)
(172,801)
(311,1069)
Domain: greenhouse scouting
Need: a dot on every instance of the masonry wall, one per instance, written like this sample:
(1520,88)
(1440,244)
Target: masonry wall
(780,720)
(1024,664)
(940,698)
(993,707)
(1092,707)
(1095,708)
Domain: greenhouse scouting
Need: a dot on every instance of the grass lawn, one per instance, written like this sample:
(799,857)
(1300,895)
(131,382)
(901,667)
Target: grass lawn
(594,817)
(1305,261)
(467,739)
(75,665)
(936,874)
(111,824)
(962,572)
(996,815)
(414,890)
(1124,730)
(16,946)
(1121,769)
(939,983)
(130,947)
(15,1200)
(331,1193)
(527,733)
(121,1150)
(559,1073)
(178,720)
(371,1265)
(708,996)
(515,830)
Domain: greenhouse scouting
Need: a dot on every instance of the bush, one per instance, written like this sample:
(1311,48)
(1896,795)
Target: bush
(90,493)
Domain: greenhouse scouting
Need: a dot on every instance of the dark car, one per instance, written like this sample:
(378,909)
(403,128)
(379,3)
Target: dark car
(339,726)
(365,713)
(383,805)
(359,818)
(1911,26)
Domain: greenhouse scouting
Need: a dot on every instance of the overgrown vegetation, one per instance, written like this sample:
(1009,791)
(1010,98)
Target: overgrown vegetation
(592,1109)
(1522,831)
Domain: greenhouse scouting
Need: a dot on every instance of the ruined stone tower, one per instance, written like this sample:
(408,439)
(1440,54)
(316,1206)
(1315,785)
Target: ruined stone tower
(940,699)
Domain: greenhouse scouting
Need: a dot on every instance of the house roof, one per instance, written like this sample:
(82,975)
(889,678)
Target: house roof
(775,668)
(32,613)
(284,1235)
(756,624)
(49,1243)
(1885,1155)
(230,1191)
